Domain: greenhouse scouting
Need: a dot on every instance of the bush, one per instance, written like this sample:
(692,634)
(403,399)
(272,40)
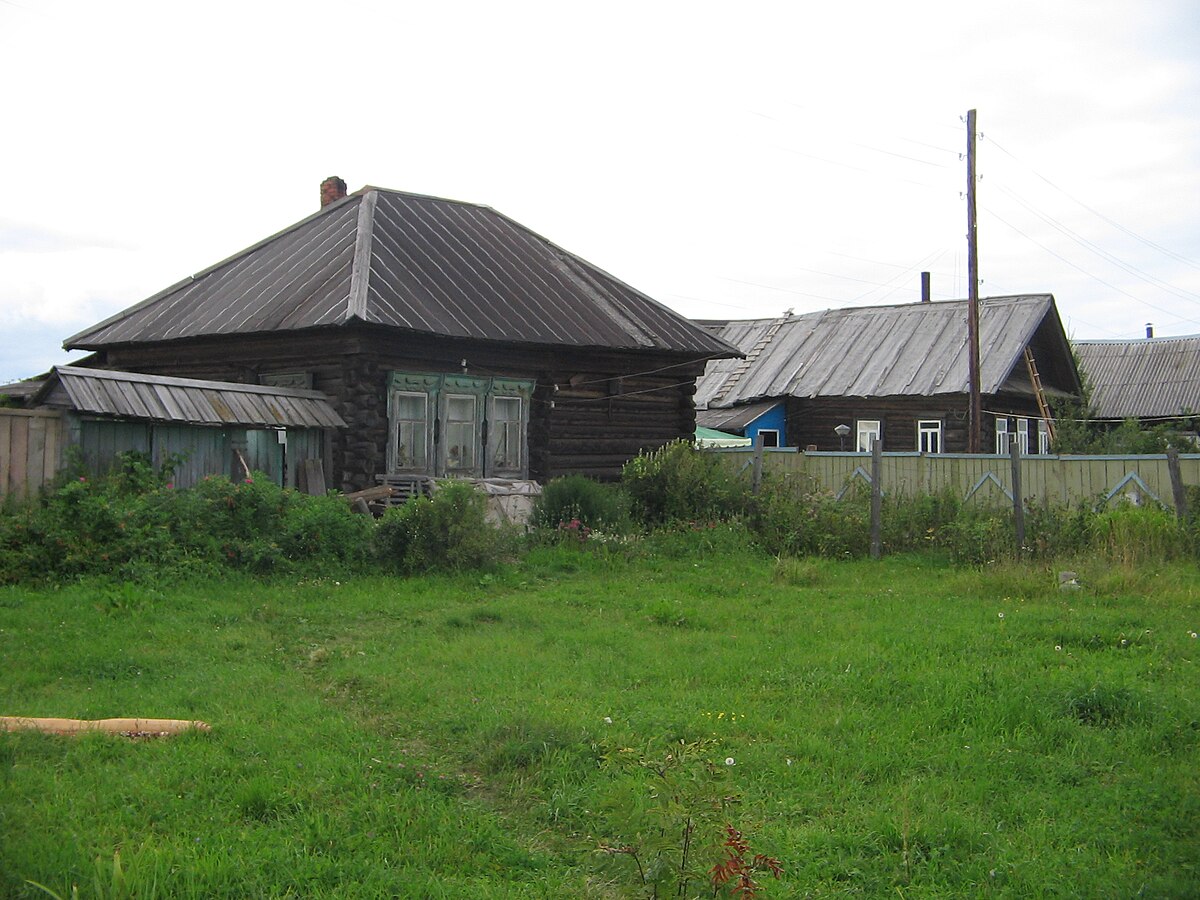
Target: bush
(133,525)
(597,506)
(446,531)
(791,517)
(678,483)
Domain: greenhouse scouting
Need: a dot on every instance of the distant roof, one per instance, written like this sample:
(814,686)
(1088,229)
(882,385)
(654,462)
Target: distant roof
(711,437)
(879,351)
(186,400)
(411,262)
(1145,378)
(734,419)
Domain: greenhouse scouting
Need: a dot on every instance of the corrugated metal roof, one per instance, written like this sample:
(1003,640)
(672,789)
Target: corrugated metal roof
(734,419)
(1147,378)
(416,263)
(917,349)
(185,400)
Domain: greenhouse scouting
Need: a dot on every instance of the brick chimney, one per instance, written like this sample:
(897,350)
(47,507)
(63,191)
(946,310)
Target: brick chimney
(333,189)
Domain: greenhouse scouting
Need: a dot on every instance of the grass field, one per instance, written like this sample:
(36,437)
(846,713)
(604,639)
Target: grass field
(898,728)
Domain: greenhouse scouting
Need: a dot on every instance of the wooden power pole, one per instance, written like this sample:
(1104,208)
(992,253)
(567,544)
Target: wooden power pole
(975,430)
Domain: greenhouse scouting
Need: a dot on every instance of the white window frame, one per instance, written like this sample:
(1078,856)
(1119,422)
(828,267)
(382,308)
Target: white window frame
(929,428)
(1023,436)
(1043,434)
(772,431)
(1002,437)
(867,428)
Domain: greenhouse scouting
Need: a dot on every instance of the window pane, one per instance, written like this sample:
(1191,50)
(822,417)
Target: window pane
(505,432)
(409,422)
(929,436)
(460,432)
(868,431)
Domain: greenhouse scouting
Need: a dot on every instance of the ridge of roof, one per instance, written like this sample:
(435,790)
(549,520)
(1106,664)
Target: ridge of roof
(635,320)
(1137,341)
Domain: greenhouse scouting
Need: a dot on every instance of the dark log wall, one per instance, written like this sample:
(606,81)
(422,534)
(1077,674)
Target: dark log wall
(812,422)
(592,410)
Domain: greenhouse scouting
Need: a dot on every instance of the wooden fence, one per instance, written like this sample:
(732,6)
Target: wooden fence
(31,450)
(985,478)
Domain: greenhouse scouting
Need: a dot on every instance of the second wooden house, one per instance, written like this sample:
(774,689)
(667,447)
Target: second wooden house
(838,379)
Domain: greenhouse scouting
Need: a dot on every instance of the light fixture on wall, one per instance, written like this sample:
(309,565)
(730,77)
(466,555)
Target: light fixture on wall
(841,431)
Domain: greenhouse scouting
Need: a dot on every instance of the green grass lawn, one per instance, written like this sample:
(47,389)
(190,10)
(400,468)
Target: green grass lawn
(897,728)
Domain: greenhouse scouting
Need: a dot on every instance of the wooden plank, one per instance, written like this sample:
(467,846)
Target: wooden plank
(312,479)
(7,424)
(19,448)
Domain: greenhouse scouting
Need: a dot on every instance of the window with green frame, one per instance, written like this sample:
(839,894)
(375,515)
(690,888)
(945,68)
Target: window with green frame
(455,425)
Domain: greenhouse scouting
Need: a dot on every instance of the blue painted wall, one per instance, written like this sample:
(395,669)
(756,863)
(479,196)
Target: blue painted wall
(772,418)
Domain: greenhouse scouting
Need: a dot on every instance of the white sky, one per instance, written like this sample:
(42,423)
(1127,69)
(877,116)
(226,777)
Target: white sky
(731,160)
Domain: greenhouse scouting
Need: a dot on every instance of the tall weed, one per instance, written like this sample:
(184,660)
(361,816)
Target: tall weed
(446,531)
(678,483)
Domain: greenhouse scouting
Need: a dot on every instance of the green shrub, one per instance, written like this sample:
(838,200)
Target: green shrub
(599,506)
(446,531)
(678,483)
(791,517)
(324,530)
(978,535)
(132,524)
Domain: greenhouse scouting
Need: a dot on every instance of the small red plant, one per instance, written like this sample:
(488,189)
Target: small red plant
(575,529)
(737,870)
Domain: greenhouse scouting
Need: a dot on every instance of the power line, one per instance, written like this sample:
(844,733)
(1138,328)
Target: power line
(1101,252)
(1090,274)
(1096,212)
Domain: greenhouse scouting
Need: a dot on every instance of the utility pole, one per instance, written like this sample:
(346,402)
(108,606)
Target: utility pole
(976,414)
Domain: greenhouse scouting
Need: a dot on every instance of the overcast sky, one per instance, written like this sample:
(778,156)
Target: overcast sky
(730,160)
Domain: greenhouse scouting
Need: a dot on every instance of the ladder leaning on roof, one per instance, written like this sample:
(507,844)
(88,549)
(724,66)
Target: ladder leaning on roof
(1036,380)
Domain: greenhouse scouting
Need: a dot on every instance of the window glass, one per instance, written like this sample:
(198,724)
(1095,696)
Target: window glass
(504,433)
(1023,436)
(929,436)
(868,431)
(460,432)
(410,416)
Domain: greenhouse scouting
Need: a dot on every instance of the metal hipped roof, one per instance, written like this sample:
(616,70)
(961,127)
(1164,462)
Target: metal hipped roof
(916,349)
(411,262)
(186,401)
(1146,378)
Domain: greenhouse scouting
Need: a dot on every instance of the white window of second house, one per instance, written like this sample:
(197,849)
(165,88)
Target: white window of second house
(1043,437)
(461,439)
(505,434)
(770,437)
(868,433)
(929,435)
(1023,436)
(410,426)
(1002,434)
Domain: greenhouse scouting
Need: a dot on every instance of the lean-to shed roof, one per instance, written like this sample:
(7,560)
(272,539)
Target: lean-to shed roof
(917,349)
(156,398)
(411,262)
(1144,379)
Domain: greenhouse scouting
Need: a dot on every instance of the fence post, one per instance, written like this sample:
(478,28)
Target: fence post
(1014,452)
(1177,490)
(876,497)
(756,478)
